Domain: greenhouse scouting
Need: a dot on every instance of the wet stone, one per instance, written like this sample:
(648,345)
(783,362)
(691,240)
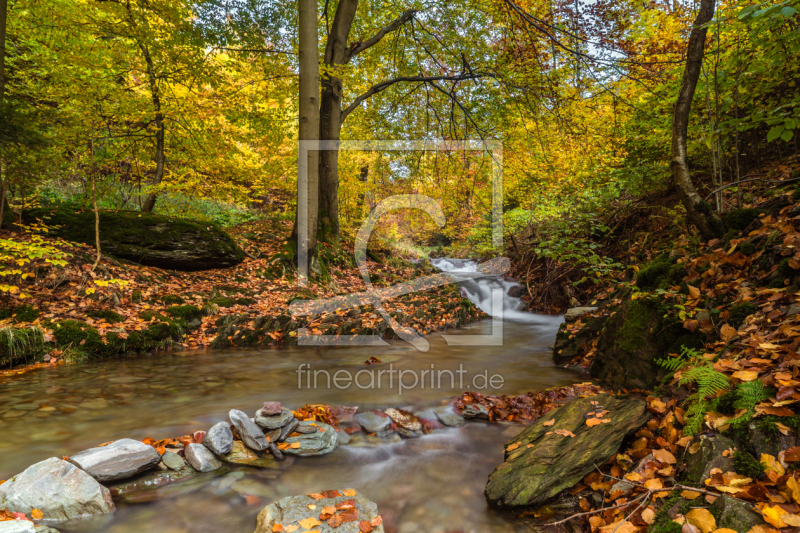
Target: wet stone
(201,458)
(219,438)
(251,434)
(449,417)
(271,408)
(241,455)
(118,460)
(17,526)
(274,421)
(373,421)
(173,461)
(476,411)
(323,440)
(289,511)
(408,425)
(288,429)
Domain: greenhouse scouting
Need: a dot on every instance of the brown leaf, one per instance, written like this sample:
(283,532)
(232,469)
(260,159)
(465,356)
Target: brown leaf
(663,456)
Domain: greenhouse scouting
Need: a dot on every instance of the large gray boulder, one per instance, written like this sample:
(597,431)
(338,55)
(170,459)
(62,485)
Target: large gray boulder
(252,436)
(58,489)
(146,238)
(297,511)
(320,440)
(120,459)
(544,460)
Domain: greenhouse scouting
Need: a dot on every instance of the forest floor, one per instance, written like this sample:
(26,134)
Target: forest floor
(123,308)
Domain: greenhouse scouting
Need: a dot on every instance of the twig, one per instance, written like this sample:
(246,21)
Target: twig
(728,186)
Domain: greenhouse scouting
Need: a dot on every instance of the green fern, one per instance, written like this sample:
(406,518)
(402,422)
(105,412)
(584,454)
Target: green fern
(709,383)
(748,395)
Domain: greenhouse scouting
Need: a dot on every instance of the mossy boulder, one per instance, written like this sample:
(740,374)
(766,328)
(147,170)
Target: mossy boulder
(739,219)
(78,335)
(146,238)
(112,317)
(709,456)
(20,345)
(632,341)
(25,313)
(541,462)
(567,348)
(662,273)
(184,312)
(735,514)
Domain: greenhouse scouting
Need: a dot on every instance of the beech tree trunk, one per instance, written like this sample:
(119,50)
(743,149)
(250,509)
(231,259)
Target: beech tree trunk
(307,226)
(158,175)
(698,211)
(336,53)
(3,16)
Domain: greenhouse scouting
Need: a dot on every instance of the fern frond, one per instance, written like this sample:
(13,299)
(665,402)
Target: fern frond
(709,381)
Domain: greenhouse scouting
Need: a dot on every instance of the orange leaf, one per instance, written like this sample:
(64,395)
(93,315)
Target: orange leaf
(549,422)
(663,456)
(36,514)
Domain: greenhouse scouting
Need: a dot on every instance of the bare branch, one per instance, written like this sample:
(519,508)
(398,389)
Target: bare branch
(382,86)
(357,48)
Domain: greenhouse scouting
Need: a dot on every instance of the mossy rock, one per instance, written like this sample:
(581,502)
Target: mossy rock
(148,314)
(162,331)
(710,455)
(5,313)
(112,317)
(137,297)
(185,312)
(25,313)
(735,514)
(739,219)
(78,335)
(541,463)
(632,341)
(662,273)
(146,238)
(737,313)
(171,299)
(223,301)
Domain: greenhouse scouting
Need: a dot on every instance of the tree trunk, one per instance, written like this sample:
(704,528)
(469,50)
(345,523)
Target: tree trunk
(699,212)
(306,221)
(331,120)
(3,15)
(158,175)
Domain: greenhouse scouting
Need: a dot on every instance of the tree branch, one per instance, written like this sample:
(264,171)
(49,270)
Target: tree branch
(382,86)
(357,48)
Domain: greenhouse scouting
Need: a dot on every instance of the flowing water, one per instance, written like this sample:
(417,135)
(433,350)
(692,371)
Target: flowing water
(431,484)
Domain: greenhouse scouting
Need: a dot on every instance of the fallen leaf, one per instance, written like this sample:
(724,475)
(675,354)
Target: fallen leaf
(349,492)
(703,519)
(649,516)
(772,514)
(549,422)
(745,375)
(316,496)
(514,446)
(564,433)
(694,292)
(591,422)
(277,528)
(312,506)
(727,332)
(36,514)
(289,529)
(309,522)
(791,519)
(690,494)
(664,456)
(772,464)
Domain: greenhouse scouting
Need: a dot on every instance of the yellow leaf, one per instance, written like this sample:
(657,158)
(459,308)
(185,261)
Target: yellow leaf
(652,484)
(690,494)
(724,530)
(349,492)
(794,489)
(514,446)
(649,516)
(633,476)
(773,515)
(289,529)
(309,522)
(36,514)
(620,527)
(770,463)
(791,519)
(702,519)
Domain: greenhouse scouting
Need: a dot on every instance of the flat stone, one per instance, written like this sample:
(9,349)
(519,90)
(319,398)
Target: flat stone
(314,443)
(408,425)
(449,417)
(17,526)
(289,511)
(576,312)
(287,430)
(709,456)
(251,434)
(735,514)
(201,458)
(58,489)
(118,460)
(241,455)
(544,460)
(271,408)
(373,421)
(219,438)
(274,421)
(476,410)
(173,461)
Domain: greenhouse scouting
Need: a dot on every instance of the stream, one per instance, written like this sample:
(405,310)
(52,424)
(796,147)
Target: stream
(430,484)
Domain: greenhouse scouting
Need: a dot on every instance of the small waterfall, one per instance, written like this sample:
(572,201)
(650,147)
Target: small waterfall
(478,288)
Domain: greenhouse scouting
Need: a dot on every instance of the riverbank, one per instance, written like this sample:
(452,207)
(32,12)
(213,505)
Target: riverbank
(69,312)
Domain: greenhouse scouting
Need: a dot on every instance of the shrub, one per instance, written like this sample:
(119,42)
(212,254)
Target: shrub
(78,335)
(184,312)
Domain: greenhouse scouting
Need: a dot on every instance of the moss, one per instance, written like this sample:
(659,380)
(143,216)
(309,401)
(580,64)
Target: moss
(747,465)
(78,335)
(5,313)
(112,317)
(184,312)
(739,219)
(748,248)
(148,314)
(223,301)
(25,313)
(636,325)
(661,273)
(161,331)
(171,299)
(737,313)
(662,523)
(245,301)
(136,297)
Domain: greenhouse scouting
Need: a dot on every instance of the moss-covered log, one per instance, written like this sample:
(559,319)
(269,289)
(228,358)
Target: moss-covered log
(146,238)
